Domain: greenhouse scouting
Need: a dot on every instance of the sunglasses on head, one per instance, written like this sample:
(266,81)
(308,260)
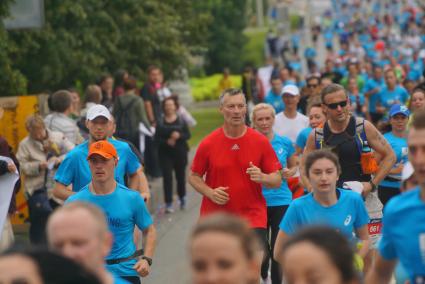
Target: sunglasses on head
(335,105)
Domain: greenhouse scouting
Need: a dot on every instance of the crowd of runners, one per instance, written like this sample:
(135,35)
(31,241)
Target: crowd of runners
(315,178)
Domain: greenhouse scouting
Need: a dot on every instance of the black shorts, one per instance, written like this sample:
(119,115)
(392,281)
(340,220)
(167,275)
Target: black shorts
(262,237)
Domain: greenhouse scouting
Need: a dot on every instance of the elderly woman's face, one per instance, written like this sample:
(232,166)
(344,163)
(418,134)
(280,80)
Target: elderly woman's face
(38,133)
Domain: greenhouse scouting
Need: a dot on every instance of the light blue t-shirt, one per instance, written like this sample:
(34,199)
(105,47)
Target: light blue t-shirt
(118,280)
(275,100)
(348,214)
(75,170)
(282,195)
(387,97)
(399,145)
(371,84)
(302,137)
(403,233)
(124,209)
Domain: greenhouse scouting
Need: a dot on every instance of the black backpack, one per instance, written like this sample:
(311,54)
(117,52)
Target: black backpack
(127,128)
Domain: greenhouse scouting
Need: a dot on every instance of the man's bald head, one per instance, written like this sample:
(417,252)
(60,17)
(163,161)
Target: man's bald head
(79,230)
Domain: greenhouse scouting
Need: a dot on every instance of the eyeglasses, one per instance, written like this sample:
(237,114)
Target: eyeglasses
(312,85)
(335,105)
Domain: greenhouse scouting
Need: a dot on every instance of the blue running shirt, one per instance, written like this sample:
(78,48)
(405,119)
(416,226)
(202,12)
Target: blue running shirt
(124,209)
(75,168)
(348,214)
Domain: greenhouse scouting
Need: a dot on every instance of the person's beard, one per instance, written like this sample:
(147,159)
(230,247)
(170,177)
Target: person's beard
(95,139)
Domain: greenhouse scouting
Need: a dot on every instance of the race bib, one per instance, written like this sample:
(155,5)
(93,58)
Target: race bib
(375,226)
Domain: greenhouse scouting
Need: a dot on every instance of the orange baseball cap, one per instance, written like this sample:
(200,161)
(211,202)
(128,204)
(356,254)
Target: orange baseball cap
(104,149)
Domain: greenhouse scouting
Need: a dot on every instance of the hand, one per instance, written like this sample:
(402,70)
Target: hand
(286,173)
(171,142)
(175,135)
(146,195)
(367,188)
(55,160)
(219,195)
(11,167)
(42,165)
(255,173)
(142,267)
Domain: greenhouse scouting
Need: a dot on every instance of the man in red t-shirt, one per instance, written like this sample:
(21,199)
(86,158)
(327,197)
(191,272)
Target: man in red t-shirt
(232,163)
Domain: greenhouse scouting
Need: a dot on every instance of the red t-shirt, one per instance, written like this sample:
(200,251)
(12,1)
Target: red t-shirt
(224,161)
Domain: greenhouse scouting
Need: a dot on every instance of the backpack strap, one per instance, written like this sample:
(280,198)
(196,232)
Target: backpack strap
(361,139)
(318,138)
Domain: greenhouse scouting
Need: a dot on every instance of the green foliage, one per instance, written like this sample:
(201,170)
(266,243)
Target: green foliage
(226,37)
(12,82)
(207,88)
(82,39)
(207,119)
(253,51)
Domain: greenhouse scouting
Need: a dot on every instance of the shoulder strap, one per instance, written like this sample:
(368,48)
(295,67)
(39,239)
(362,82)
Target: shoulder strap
(318,138)
(361,139)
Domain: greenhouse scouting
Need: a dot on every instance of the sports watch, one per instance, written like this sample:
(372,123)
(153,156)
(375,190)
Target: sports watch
(148,260)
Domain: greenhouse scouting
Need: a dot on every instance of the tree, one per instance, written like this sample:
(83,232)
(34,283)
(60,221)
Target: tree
(226,37)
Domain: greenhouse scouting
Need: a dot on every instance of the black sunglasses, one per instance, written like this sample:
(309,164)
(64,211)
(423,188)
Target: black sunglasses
(335,105)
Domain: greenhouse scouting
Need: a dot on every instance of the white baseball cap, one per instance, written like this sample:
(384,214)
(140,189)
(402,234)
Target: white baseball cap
(291,90)
(98,110)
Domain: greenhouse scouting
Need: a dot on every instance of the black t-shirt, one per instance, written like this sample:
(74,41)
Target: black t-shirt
(149,94)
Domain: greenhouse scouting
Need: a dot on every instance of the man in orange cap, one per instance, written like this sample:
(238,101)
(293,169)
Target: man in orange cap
(124,209)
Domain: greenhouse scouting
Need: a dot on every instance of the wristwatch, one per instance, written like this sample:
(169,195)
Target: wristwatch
(148,260)
(374,187)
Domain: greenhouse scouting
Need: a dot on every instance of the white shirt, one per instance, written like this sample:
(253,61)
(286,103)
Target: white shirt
(290,127)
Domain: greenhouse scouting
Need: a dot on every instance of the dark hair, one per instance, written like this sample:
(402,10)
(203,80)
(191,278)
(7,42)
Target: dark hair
(332,88)
(312,157)
(419,120)
(170,98)
(335,245)
(232,225)
(152,68)
(130,84)
(119,76)
(54,268)
(275,78)
(103,78)
(61,100)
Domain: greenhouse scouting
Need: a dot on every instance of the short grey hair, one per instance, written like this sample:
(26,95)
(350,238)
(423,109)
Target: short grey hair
(230,92)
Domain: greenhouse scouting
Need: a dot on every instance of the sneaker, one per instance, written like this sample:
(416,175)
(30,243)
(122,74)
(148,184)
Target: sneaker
(169,209)
(183,203)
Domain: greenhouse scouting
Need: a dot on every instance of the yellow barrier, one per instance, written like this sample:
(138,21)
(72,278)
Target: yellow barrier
(12,128)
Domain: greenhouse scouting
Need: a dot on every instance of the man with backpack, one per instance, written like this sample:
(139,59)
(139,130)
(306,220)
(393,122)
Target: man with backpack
(129,111)
(355,141)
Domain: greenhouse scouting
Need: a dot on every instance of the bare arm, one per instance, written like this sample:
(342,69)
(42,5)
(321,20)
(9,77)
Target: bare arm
(378,143)
(134,180)
(381,271)
(271,180)
(278,245)
(217,195)
(149,112)
(61,191)
(143,185)
(149,239)
(292,166)
(363,234)
(309,147)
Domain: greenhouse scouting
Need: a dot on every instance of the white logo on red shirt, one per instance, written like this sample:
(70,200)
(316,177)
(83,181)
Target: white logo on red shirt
(235,147)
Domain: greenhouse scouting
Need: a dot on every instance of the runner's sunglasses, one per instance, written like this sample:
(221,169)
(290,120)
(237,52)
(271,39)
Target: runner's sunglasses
(335,105)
